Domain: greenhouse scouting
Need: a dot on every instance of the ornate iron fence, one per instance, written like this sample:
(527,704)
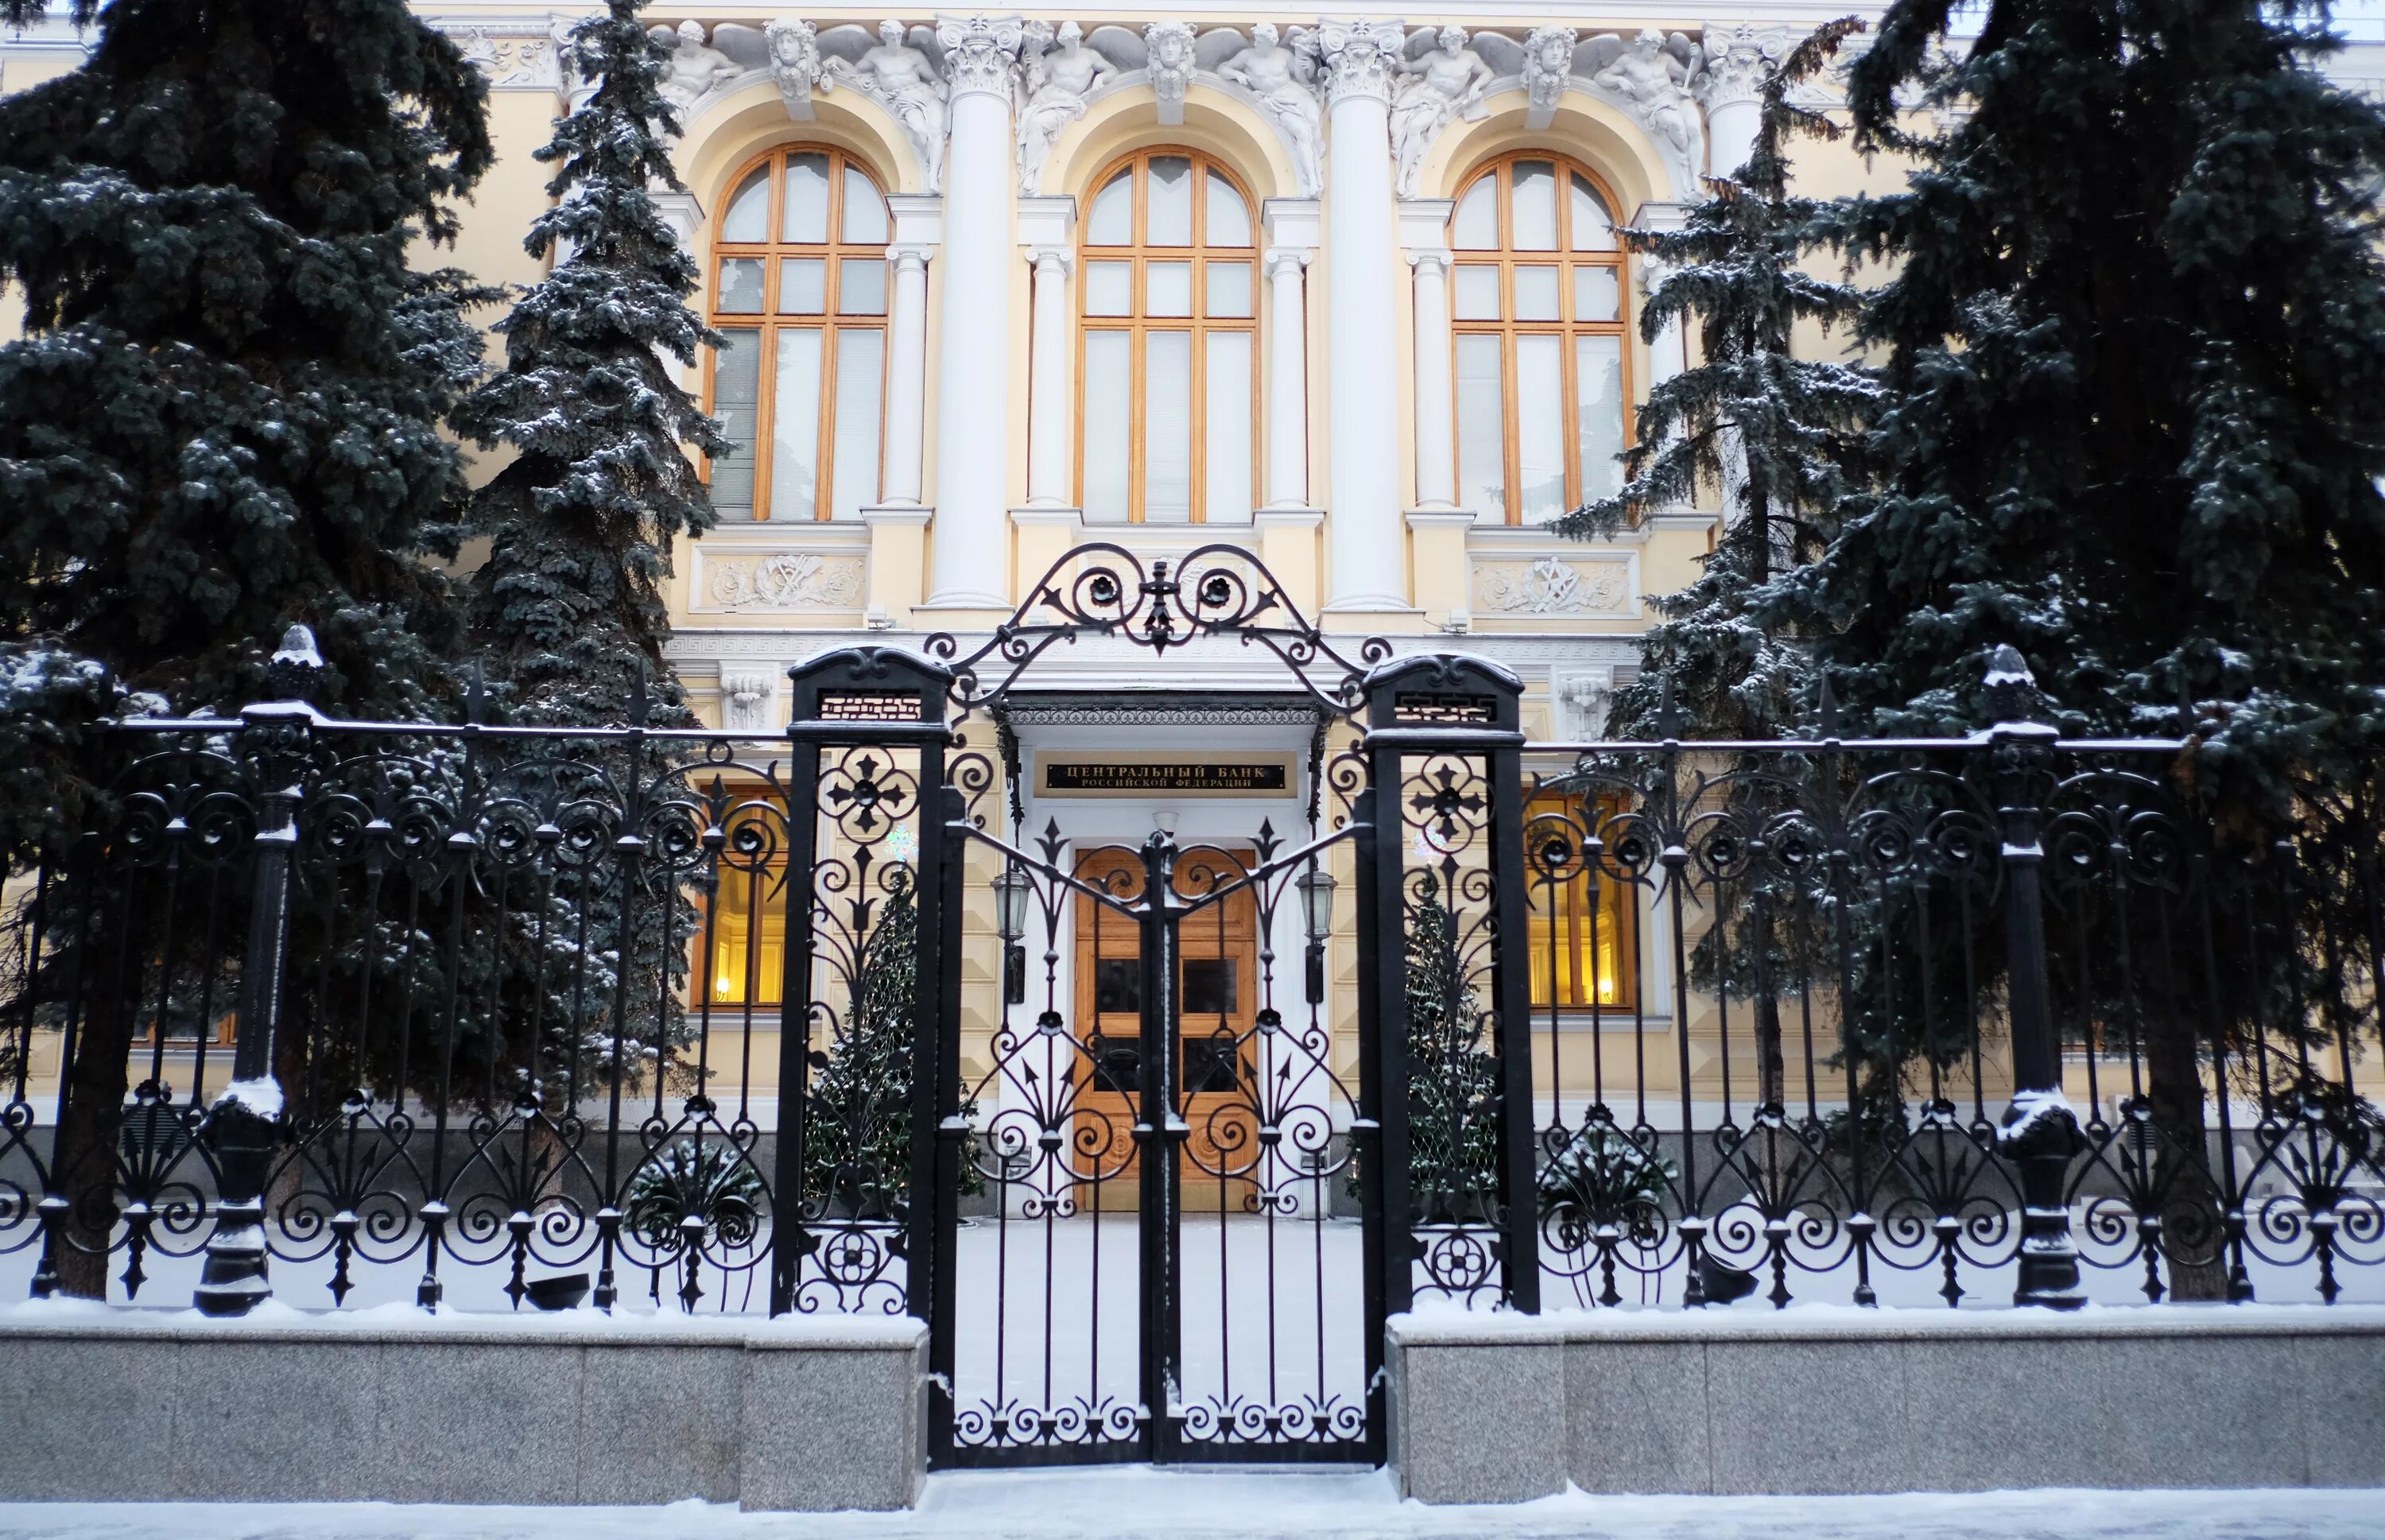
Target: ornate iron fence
(454,1013)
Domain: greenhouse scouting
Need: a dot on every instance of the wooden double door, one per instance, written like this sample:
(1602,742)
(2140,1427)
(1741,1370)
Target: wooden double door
(1217,1004)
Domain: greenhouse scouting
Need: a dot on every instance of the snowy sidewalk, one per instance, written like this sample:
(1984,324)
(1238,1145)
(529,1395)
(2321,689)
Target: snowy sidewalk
(1231,1506)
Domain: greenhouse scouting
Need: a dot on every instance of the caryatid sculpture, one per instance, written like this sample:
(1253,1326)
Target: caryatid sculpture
(1283,81)
(1058,76)
(900,79)
(1446,81)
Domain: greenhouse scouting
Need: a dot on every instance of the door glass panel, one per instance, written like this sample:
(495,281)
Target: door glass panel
(1117,1063)
(1229,291)
(865,212)
(1117,985)
(1536,206)
(1481,448)
(1109,396)
(749,210)
(1226,216)
(736,392)
(1596,295)
(1592,231)
(1168,288)
(1476,225)
(1536,294)
(806,217)
(741,285)
(1167,428)
(1112,221)
(860,287)
(860,360)
(1211,1065)
(795,443)
(1477,293)
(803,286)
(1540,426)
(1227,458)
(1167,216)
(1210,987)
(1109,288)
(1599,382)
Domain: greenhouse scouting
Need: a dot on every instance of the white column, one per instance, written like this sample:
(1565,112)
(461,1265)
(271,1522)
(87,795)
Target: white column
(906,376)
(1047,399)
(1436,448)
(970,569)
(1287,481)
(1731,87)
(1367,548)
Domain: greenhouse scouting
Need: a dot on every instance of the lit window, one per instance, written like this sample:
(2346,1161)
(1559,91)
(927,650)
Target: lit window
(1581,923)
(740,956)
(800,293)
(1537,304)
(1170,335)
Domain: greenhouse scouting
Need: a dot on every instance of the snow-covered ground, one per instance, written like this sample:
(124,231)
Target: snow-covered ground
(1231,1506)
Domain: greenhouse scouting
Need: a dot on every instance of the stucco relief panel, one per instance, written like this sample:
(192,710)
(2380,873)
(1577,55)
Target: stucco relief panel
(1556,587)
(777,582)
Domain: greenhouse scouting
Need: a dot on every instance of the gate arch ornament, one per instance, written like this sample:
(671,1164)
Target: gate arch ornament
(1133,1176)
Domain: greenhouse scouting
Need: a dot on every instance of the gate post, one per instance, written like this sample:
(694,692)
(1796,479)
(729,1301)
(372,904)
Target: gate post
(890,700)
(1458,719)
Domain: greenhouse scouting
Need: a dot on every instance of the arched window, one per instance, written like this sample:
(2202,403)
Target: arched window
(799,290)
(1537,306)
(1169,370)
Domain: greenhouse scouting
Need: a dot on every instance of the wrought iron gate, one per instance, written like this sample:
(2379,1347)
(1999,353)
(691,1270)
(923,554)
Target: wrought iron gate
(1156,1207)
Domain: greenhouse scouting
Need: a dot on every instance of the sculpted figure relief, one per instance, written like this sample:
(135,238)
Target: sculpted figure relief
(1283,81)
(694,67)
(900,79)
(1058,78)
(1446,82)
(1652,75)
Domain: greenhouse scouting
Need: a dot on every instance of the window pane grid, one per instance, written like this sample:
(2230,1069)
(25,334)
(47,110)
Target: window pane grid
(1153,315)
(1546,279)
(821,300)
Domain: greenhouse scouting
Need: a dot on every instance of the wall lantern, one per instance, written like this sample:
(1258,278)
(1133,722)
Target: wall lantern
(1316,886)
(1011,892)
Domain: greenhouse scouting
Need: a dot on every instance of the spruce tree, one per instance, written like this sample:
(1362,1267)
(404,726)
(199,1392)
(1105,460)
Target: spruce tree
(223,415)
(2135,333)
(1781,436)
(580,523)
(1777,432)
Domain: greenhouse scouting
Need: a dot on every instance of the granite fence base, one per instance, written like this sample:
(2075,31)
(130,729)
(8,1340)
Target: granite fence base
(1503,1409)
(101,1403)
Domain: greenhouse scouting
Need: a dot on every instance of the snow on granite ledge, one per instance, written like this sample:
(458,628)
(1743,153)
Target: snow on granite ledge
(274,1320)
(1442,1321)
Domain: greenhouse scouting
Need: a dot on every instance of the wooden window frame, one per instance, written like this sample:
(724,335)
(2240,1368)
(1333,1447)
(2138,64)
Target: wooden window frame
(1199,325)
(1508,258)
(766,323)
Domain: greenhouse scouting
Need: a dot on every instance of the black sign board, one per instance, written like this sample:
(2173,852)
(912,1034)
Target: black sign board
(1097,775)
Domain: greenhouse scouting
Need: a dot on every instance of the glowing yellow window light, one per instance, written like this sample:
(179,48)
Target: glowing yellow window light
(1580,932)
(737,955)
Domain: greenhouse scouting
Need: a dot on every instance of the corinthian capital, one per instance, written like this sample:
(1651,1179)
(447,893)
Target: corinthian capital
(980,53)
(1361,59)
(1737,54)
